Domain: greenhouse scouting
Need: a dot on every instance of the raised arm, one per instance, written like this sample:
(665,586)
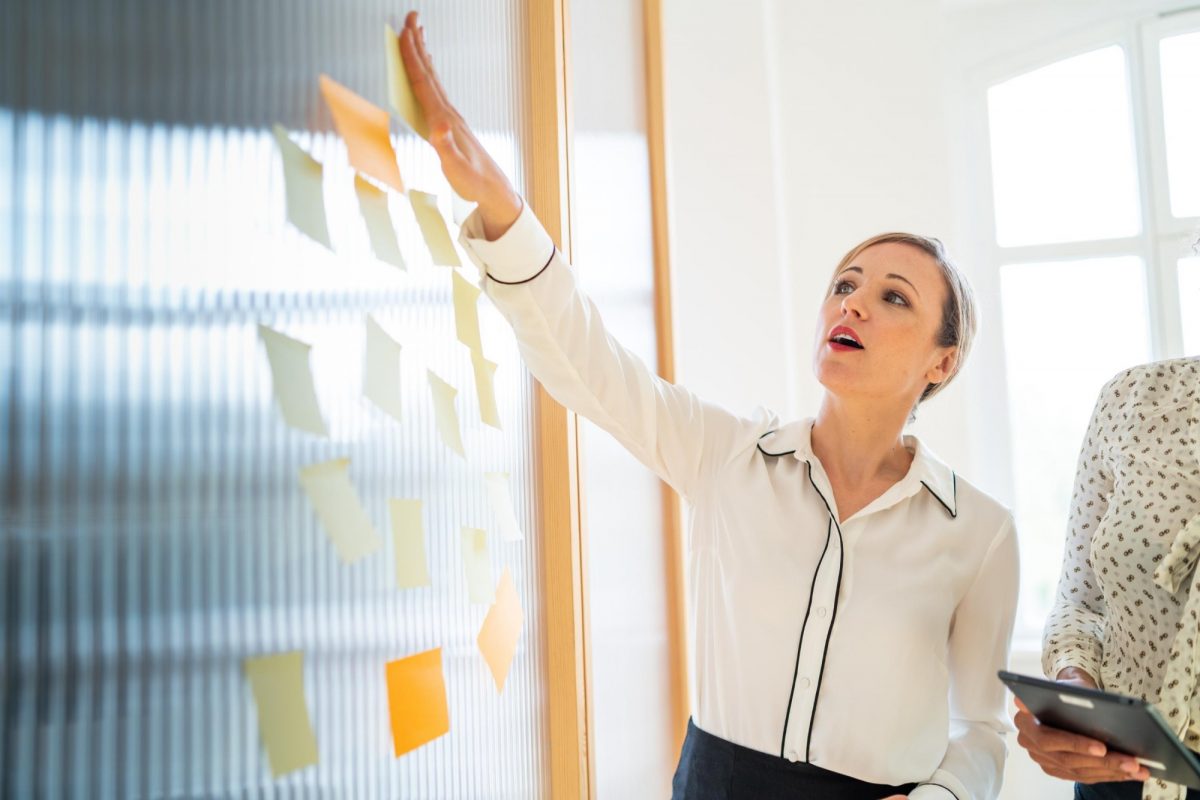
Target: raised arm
(559,330)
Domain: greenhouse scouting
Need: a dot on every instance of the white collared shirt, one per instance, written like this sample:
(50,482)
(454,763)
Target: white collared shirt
(868,647)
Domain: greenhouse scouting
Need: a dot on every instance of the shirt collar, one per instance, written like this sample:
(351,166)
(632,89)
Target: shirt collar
(795,439)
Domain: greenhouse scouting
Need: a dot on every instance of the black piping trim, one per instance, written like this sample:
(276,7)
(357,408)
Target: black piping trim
(833,615)
(527,280)
(773,455)
(953,512)
(940,786)
(800,644)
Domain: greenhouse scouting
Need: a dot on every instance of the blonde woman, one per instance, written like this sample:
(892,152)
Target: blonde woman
(851,597)
(1128,610)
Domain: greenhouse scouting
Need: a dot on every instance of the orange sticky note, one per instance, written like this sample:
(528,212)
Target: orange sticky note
(497,638)
(364,127)
(417,700)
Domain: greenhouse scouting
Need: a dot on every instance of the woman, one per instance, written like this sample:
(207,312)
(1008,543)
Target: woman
(1128,605)
(851,598)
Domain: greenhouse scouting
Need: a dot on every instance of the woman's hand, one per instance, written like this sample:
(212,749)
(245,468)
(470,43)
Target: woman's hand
(471,171)
(1069,756)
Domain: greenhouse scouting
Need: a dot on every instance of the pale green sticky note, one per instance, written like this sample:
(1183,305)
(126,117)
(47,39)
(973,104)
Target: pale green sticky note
(295,392)
(433,228)
(466,312)
(400,90)
(485,390)
(381,370)
(478,565)
(277,682)
(500,499)
(444,413)
(303,184)
(408,535)
(346,523)
(373,203)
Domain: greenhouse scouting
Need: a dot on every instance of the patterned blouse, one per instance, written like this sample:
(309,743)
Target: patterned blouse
(1128,605)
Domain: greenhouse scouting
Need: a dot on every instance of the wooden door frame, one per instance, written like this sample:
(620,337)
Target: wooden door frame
(559,468)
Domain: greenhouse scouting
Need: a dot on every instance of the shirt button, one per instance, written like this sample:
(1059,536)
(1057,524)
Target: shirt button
(804,683)
(793,755)
(821,611)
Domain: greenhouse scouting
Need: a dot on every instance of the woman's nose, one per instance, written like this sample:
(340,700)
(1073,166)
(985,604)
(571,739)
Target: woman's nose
(852,305)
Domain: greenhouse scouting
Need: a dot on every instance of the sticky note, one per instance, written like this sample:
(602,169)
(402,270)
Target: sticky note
(466,313)
(364,127)
(444,413)
(277,683)
(433,228)
(292,377)
(497,639)
(400,91)
(500,500)
(408,535)
(478,566)
(347,525)
(485,389)
(416,688)
(302,181)
(381,369)
(372,202)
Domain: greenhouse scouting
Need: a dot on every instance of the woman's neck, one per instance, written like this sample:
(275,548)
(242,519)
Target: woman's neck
(859,443)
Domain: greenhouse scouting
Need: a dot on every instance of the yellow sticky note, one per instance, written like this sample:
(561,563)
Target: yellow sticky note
(302,180)
(364,127)
(400,89)
(485,389)
(447,417)
(501,629)
(277,682)
(466,314)
(500,499)
(408,535)
(433,228)
(478,566)
(381,369)
(417,704)
(347,525)
(372,202)
(292,377)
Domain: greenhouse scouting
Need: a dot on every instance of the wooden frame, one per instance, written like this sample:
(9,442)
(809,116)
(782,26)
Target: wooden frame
(656,139)
(572,774)
(560,479)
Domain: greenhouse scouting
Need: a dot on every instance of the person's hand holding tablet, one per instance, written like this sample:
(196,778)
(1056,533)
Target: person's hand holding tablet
(1068,755)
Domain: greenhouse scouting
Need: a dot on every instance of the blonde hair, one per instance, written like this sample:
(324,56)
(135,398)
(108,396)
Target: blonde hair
(959,315)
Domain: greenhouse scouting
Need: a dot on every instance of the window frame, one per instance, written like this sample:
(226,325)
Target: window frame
(1160,243)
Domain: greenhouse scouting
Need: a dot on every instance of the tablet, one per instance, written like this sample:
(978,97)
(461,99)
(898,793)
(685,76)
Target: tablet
(1125,724)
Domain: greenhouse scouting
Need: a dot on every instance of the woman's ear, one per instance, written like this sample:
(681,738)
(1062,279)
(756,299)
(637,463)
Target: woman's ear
(944,367)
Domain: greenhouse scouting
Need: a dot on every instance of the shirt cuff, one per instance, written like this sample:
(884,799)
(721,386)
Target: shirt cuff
(519,255)
(1073,657)
(932,791)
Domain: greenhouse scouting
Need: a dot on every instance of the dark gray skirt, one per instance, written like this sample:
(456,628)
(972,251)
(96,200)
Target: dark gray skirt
(711,768)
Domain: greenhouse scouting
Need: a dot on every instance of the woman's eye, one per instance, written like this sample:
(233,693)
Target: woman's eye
(843,287)
(896,299)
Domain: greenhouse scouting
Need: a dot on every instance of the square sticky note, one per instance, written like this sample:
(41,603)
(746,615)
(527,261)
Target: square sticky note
(408,536)
(291,376)
(445,414)
(346,523)
(417,705)
(364,127)
(478,565)
(381,369)
(304,189)
(433,229)
(485,389)
(501,629)
(400,91)
(277,683)
(372,202)
(500,499)
(466,312)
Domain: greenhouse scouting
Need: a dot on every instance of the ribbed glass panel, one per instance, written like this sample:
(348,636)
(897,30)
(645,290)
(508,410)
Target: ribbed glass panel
(154,533)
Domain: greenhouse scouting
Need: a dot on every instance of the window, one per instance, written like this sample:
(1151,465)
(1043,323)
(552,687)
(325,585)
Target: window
(1095,189)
